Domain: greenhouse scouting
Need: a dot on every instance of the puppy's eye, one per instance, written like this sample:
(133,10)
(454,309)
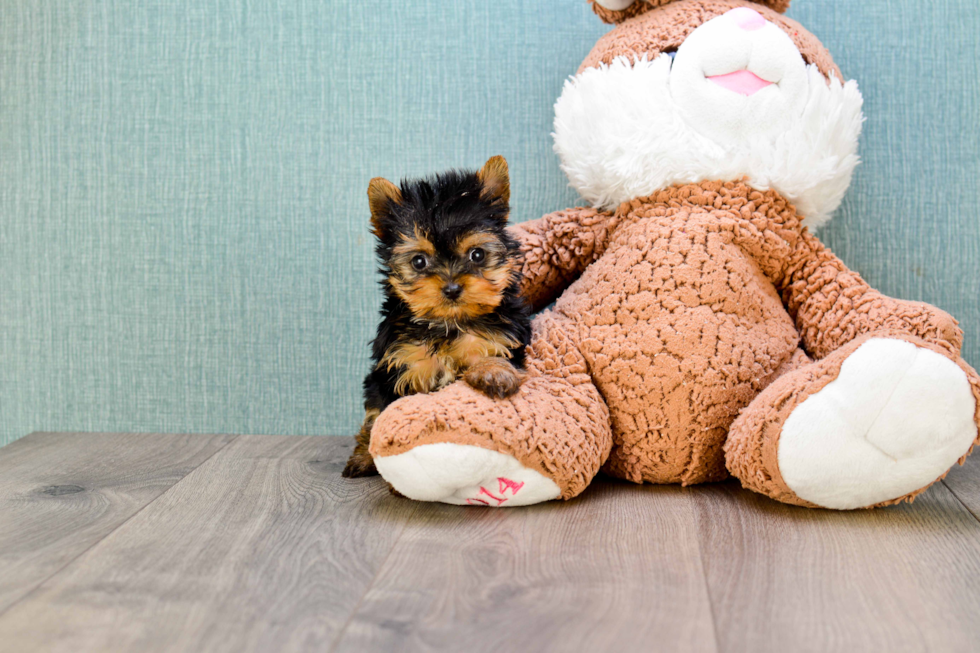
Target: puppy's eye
(419,262)
(477,255)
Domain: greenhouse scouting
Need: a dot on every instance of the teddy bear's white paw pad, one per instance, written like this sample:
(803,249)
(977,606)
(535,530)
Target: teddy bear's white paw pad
(465,475)
(895,419)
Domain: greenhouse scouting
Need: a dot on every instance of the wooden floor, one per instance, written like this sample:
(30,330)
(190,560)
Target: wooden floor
(148,542)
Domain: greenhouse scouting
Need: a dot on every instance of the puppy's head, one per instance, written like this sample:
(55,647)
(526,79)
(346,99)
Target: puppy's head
(442,241)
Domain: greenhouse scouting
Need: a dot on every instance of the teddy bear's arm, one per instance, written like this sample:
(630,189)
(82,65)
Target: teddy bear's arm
(833,305)
(558,247)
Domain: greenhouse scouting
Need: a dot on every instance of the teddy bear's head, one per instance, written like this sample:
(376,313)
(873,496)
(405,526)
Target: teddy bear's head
(683,91)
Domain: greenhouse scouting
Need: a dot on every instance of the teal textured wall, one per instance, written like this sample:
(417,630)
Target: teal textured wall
(183,241)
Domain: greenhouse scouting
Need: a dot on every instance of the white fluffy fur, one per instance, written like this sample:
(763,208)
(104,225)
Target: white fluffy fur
(620,134)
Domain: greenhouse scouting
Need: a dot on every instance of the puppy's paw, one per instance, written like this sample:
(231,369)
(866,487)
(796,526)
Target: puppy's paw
(360,464)
(494,377)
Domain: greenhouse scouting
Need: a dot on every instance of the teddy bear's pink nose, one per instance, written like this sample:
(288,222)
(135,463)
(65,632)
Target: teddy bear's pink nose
(748,19)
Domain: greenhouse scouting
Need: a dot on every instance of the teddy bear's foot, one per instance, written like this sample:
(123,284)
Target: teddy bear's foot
(545,441)
(460,446)
(873,423)
(465,475)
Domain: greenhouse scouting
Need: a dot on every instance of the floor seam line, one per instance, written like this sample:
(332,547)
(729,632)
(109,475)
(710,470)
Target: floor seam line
(370,586)
(958,499)
(704,575)
(60,569)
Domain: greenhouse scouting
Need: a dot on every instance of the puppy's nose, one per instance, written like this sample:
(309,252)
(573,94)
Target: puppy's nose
(452,290)
(748,19)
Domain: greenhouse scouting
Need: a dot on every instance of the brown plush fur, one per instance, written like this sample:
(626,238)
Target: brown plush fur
(642,6)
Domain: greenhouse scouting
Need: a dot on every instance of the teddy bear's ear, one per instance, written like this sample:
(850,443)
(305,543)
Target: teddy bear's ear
(381,195)
(616,11)
(776,5)
(495,180)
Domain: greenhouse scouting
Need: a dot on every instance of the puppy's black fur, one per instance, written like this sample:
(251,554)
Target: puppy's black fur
(451,282)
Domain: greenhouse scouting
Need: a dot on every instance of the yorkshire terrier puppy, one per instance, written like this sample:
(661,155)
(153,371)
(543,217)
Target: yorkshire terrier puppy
(452,306)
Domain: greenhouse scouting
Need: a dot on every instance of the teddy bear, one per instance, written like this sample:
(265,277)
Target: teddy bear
(697,327)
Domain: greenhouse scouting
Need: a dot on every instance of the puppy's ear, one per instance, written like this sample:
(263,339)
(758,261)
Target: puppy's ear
(495,180)
(381,195)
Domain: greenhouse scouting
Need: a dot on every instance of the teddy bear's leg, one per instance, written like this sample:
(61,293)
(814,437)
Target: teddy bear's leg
(873,423)
(460,446)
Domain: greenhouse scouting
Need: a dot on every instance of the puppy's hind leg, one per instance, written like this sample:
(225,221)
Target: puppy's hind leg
(361,463)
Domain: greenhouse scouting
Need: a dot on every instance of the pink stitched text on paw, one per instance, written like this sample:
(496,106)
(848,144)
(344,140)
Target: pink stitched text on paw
(506,483)
(484,490)
(476,502)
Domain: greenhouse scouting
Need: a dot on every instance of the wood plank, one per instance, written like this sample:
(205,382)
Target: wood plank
(615,569)
(964,482)
(905,578)
(263,548)
(60,493)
